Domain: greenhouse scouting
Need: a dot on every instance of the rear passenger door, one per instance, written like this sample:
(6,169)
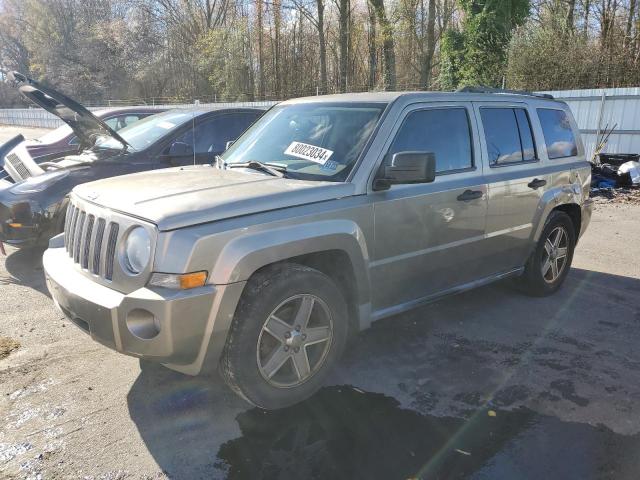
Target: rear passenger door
(428,237)
(516,179)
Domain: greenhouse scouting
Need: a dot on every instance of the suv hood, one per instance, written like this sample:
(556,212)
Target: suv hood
(84,124)
(178,197)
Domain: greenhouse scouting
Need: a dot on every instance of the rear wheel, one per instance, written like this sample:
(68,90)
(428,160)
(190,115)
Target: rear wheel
(289,330)
(549,264)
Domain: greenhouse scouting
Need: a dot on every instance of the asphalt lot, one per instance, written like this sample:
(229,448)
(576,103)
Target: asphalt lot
(489,384)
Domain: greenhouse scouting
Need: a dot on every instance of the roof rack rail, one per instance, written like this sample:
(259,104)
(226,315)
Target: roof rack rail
(478,89)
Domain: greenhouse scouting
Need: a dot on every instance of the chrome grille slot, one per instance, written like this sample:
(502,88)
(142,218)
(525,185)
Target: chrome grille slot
(84,258)
(111,251)
(72,230)
(78,238)
(97,247)
(67,223)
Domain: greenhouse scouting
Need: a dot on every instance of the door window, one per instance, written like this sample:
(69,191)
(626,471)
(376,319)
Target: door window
(121,121)
(508,136)
(226,128)
(445,132)
(558,134)
(212,135)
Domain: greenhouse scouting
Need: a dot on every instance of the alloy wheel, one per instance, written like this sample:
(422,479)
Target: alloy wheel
(554,258)
(294,341)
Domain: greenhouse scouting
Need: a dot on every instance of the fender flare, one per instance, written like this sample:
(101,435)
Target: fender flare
(243,256)
(565,195)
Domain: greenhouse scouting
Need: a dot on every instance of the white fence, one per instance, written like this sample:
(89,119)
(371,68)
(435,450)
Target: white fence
(37,117)
(599,109)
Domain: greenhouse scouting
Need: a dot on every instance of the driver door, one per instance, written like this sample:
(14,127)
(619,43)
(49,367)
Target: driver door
(429,237)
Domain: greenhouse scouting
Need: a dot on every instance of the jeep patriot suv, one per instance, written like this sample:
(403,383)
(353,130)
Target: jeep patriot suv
(327,214)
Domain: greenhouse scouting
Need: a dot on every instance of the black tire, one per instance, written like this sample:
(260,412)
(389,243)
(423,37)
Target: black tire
(267,291)
(533,282)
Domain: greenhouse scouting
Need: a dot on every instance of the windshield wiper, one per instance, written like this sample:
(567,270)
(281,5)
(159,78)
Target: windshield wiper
(272,169)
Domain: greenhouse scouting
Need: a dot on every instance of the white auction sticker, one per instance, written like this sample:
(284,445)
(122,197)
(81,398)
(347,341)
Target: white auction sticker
(166,125)
(309,152)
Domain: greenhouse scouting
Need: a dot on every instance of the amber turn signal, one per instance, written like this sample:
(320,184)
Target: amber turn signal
(182,281)
(192,280)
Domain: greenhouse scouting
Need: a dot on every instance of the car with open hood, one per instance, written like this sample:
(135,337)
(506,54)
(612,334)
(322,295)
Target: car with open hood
(68,139)
(63,141)
(330,212)
(32,209)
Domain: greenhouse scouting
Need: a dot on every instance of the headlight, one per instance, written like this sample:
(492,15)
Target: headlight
(38,183)
(137,250)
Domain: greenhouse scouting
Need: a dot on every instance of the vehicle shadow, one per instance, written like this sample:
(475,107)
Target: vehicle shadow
(461,386)
(24,267)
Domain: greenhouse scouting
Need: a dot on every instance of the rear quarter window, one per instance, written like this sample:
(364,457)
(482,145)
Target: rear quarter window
(558,134)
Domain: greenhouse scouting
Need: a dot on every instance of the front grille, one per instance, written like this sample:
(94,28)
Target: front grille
(84,241)
(13,160)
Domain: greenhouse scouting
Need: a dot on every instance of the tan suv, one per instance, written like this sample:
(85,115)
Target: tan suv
(327,214)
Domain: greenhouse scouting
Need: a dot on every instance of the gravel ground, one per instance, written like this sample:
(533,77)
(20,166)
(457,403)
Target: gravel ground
(487,384)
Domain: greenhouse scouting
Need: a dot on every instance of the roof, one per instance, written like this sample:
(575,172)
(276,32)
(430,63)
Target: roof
(388,97)
(101,112)
(203,110)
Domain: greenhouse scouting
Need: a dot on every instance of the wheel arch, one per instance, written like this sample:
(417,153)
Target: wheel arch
(337,265)
(336,248)
(574,212)
(561,199)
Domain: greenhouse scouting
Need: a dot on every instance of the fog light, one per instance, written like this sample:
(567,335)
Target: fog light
(142,324)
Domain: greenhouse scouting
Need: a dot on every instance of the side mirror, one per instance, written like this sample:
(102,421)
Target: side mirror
(406,167)
(229,143)
(180,149)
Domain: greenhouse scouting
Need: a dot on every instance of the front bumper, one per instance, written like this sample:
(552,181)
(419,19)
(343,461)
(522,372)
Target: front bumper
(169,326)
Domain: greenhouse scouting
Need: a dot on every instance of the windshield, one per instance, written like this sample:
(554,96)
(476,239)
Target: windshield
(147,131)
(314,141)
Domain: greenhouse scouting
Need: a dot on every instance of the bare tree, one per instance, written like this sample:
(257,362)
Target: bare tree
(388,44)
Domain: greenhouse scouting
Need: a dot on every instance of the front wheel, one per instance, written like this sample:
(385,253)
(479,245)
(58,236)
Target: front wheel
(549,264)
(289,330)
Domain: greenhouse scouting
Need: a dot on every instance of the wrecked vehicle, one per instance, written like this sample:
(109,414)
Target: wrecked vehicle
(63,141)
(33,209)
(67,139)
(327,214)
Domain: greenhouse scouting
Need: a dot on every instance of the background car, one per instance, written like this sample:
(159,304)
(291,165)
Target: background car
(63,141)
(81,127)
(32,209)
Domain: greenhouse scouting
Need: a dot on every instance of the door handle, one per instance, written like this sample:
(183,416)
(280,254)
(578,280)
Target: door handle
(469,195)
(536,183)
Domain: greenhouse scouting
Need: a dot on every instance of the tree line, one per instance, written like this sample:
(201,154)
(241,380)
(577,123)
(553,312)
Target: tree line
(227,50)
